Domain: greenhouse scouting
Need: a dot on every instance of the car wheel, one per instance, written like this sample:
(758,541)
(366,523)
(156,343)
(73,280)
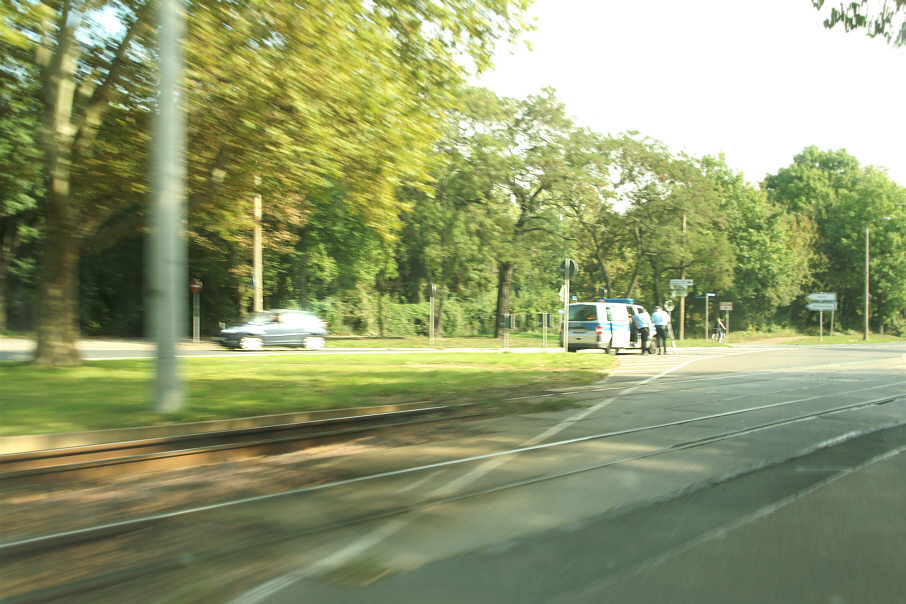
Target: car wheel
(250,343)
(313,343)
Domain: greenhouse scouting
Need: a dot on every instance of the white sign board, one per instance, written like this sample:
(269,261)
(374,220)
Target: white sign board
(823,297)
(822,306)
(686,282)
(726,306)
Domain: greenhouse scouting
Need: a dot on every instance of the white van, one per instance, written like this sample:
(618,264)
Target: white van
(606,325)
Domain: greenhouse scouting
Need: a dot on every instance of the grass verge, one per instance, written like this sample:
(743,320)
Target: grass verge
(117,394)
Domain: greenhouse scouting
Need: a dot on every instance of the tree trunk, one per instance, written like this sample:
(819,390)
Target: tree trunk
(504,280)
(58,297)
(56,316)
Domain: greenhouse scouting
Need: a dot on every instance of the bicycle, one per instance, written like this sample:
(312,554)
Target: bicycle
(718,336)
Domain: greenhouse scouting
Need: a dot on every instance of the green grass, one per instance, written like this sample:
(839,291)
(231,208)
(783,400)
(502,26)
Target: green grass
(116,394)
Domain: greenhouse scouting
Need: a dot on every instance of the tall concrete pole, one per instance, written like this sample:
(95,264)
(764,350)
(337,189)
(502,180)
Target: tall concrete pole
(682,308)
(865,336)
(168,275)
(258,270)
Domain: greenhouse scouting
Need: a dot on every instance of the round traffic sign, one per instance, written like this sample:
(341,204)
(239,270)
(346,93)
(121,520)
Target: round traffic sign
(195,285)
(568,268)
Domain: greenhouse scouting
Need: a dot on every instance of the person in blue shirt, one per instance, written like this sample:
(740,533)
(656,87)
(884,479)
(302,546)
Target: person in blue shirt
(643,322)
(661,321)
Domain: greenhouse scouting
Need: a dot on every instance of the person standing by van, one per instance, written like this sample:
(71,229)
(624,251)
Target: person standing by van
(642,321)
(661,321)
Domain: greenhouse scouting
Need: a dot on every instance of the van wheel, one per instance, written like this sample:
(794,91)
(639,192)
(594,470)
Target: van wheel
(571,349)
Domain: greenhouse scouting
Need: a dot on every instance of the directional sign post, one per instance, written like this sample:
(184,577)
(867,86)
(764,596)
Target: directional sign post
(821,307)
(727,307)
(681,288)
(707,298)
(820,301)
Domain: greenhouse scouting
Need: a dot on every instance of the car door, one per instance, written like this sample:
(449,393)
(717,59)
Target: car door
(278,332)
(618,315)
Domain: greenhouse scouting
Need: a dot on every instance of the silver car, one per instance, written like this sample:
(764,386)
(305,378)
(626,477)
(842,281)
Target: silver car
(280,327)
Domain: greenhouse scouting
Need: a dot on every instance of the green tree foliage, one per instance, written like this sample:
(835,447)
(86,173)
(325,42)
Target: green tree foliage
(832,200)
(770,254)
(21,182)
(308,97)
(884,18)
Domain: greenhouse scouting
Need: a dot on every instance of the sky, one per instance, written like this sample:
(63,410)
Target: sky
(757,80)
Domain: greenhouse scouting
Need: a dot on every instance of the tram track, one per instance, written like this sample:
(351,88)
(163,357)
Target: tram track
(87,462)
(55,542)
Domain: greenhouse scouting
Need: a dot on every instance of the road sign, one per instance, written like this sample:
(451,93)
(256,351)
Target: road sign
(678,291)
(823,297)
(568,268)
(686,282)
(821,306)
(195,285)
(726,306)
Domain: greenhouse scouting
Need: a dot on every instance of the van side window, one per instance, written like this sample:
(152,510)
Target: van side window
(609,314)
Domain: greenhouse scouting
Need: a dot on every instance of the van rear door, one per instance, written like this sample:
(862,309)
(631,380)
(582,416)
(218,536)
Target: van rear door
(583,322)
(618,316)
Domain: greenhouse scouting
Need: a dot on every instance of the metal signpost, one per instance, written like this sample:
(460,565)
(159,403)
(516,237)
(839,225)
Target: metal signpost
(727,306)
(707,298)
(669,305)
(431,293)
(824,298)
(679,288)
(568,268)
(822,302)
(545,318)
(195,288)
(507,324)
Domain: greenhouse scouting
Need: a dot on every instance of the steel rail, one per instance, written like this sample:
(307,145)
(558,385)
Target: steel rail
(91,461)
(89,533)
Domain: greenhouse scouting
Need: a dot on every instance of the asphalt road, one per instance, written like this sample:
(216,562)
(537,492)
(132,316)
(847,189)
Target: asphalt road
(727,475)
(761,507)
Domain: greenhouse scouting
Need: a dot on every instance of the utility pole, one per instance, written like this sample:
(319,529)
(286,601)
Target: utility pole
(167,255)
(257,270)
(682,308)
(866,284)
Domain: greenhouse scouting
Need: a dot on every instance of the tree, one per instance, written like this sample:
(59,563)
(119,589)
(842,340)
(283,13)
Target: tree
(771,257)
(20,176)
(526,149)
(883,18)
(832,200)
(308,96)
